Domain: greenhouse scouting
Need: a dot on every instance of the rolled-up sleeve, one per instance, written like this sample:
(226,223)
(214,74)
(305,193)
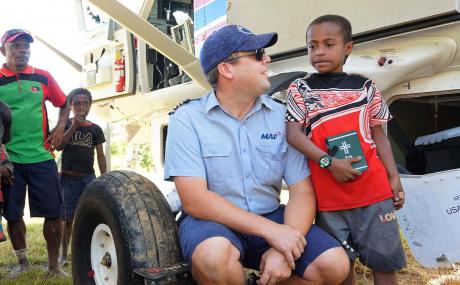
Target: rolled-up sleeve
(296,167)
(183,152)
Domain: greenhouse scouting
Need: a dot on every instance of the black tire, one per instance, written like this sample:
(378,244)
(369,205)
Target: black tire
(142,225)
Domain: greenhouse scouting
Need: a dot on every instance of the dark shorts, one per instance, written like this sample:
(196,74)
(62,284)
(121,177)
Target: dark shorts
(45,194)
(193,231)
(370,233)
(73,187)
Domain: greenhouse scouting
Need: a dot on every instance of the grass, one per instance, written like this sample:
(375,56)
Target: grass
(38,259)
(414,274)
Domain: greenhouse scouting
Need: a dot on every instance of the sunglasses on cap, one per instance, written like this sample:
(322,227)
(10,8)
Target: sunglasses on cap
(259,53)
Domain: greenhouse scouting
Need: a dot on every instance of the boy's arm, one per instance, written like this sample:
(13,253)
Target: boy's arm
(341,169)
(101,159)
(386,156)
(76,123)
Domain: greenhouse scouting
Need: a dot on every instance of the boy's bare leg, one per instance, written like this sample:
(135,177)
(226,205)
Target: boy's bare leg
(52,231)
(385,278)
(67,233)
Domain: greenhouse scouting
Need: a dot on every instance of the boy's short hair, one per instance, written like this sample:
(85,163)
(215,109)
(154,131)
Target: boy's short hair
(79,91)
(342,22)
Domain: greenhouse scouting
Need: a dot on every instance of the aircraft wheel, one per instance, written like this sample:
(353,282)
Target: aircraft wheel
(122,222)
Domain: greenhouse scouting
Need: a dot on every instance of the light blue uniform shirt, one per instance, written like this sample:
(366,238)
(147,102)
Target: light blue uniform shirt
(243,161)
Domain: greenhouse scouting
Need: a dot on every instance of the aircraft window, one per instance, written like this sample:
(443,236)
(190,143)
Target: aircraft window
(425,133)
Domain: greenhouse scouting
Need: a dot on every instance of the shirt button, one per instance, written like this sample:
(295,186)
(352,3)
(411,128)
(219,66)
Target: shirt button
(244,149)
(248,175)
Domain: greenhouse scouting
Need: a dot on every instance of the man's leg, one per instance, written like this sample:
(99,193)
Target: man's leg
(15,197)
(385,278)
(216,261)
(351,278)
(52,231)
(17,233)
(331,267)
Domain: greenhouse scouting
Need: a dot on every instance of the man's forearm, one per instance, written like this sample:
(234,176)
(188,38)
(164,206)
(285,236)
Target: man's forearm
(301,207)
(64,113)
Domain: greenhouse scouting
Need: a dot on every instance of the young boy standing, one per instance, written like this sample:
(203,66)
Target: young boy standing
(6,167)
(80,140)
(331,103)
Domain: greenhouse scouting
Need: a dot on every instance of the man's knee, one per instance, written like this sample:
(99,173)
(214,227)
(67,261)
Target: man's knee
(331,267)
(216,259)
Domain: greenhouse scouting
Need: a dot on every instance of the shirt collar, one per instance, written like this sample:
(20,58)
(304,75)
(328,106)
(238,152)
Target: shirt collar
(212,102)
(7,72)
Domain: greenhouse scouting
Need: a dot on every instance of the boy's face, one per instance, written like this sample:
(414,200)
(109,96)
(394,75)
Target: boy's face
(81,105)
(326,47)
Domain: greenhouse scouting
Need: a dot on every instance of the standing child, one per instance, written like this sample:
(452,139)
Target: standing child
(6,168)
(351,203)
(80,140)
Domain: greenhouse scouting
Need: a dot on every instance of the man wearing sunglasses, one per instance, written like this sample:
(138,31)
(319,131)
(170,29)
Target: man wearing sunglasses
(227,155)
(25,89)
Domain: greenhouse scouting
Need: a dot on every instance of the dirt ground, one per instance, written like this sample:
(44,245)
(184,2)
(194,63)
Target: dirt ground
(415,274)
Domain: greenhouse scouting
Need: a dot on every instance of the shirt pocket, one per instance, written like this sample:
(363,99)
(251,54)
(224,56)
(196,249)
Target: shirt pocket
(269,165)
(216,159)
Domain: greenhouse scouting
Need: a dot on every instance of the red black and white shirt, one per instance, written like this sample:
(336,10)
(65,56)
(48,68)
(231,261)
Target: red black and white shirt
(330,104)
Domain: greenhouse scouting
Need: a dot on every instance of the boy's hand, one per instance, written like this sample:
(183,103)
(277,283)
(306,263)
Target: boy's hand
(78,119)
(398,192)
(6,176)
(342,170)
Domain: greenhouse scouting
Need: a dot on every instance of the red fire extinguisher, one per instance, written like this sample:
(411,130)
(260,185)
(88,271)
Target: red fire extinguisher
(119,68)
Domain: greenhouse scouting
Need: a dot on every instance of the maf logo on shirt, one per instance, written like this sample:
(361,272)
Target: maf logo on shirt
(35,89)
(270,136)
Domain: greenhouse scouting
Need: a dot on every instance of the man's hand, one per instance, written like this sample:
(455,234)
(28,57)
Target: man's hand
(6,176)
(273,268)
(398,192)
(342,170)
(288,241)
(54,140)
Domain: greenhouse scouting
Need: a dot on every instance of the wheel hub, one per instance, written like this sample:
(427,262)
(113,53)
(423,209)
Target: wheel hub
(104,256)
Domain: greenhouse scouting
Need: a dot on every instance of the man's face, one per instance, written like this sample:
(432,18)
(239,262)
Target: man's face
(251,72)
(17,54)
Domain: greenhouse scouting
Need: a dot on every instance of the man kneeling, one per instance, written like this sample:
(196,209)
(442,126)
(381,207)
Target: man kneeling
(227,155)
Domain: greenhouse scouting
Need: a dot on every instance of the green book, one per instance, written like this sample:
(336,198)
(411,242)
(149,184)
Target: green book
(346,145)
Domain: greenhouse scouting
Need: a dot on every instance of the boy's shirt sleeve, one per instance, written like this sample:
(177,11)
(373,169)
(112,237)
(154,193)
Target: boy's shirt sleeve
(295,104)
(378,109)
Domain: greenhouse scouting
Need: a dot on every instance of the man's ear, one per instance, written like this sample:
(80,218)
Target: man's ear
(2,49)
(225,70)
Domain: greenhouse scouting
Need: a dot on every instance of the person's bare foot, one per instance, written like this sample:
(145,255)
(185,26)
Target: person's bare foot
(19,269)
(63,261)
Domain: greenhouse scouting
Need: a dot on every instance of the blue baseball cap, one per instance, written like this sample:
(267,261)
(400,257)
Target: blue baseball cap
(229,39)
(13,34)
